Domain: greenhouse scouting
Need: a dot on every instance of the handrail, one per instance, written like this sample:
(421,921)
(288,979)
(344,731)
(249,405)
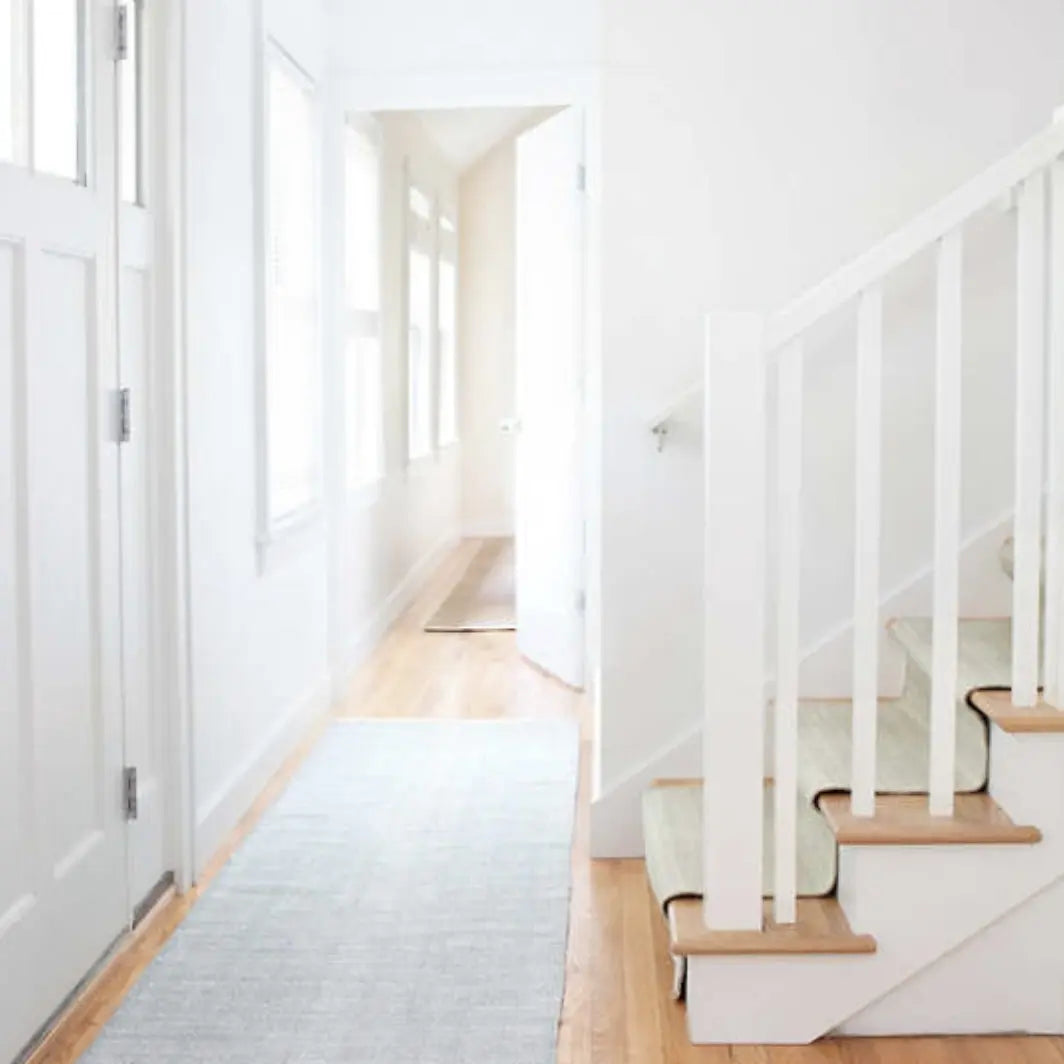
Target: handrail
(919,233)
(847,282)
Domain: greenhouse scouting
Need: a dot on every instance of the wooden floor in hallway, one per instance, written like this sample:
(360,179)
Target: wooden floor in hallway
(617,1008)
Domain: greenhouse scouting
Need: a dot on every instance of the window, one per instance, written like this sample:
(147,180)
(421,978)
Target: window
(10,80)
(42,86)
(130,89)
(58,73)
(420,330)
(364,398)
(447,418)
(291,292)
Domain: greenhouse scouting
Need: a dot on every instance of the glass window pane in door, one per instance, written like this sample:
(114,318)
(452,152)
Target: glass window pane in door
(129,88)
(8,68)
(57,87)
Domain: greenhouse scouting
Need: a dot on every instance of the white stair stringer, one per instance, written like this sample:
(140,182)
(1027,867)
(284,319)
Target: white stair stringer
(991,909)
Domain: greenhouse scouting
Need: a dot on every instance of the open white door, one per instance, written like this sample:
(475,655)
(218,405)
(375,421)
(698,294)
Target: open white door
(549,355)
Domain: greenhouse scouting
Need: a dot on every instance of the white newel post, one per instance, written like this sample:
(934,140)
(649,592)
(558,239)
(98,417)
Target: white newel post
(734,684)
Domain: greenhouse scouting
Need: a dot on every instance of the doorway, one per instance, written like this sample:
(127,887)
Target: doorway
(491,266)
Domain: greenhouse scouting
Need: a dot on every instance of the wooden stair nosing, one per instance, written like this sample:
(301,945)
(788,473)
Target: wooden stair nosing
(821,927)
(996,705)
(904,820)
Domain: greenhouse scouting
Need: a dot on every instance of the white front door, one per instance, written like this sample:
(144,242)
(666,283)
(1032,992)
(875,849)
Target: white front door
(548,511)
(63,881)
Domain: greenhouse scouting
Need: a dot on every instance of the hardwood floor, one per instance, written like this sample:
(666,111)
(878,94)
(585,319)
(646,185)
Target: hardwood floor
(617,1008)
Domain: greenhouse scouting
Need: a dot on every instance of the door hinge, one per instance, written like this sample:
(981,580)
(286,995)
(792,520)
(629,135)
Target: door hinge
(121,32)
(129,791)
(125,425)
(581,178)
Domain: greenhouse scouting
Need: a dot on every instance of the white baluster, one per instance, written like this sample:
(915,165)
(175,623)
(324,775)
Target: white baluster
(866,627)
(1053,658)
(947,525)
(1030,400)
(789,522)
(733,752)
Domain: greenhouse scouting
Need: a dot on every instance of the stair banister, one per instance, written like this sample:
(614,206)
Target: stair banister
(947,535)
(741,350)
(788,523)
(1030,398)
(1053,654)
(866,627)
(922,232)
(795,318)
(734,592)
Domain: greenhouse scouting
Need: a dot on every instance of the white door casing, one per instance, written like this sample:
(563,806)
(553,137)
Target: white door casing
(63,893)
(144,721)
(548,508)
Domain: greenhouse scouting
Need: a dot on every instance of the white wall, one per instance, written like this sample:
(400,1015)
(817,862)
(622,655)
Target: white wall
(271,645)
(750,147)
(387,538)
(258,646)
(486,341)
(464,35)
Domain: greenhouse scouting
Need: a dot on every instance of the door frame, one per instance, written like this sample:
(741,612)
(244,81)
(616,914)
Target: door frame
(576,87)
(165,163)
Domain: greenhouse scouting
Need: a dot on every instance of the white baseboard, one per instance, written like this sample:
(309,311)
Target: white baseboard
(220,812)
(616,827)
(391,609)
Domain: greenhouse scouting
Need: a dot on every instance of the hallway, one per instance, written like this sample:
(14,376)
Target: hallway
(616,1007)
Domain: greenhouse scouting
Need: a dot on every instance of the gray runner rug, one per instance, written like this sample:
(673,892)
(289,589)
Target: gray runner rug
(405,901)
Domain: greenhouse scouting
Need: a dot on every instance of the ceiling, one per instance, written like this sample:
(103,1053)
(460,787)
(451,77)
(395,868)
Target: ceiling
(465,135)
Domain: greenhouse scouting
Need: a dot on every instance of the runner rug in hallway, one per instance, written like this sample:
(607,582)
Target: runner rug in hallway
(483,600)
(405,901)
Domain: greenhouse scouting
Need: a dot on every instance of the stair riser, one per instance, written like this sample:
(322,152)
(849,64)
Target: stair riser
(1008,978)
(1027,778)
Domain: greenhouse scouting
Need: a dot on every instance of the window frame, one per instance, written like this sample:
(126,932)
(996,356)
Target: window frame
(446,251)
(364,323)
(277,529)
(419,234)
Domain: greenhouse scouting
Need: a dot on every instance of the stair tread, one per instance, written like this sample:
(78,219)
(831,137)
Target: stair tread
(904,820)
(821,927)
(997,705)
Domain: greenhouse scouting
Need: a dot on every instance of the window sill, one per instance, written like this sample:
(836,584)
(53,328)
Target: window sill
(290,536)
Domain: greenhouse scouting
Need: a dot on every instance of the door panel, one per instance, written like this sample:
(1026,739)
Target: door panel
(63,896)
(549,363)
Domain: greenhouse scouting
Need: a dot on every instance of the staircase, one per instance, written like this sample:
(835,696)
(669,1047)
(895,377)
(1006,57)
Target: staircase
(897,865)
